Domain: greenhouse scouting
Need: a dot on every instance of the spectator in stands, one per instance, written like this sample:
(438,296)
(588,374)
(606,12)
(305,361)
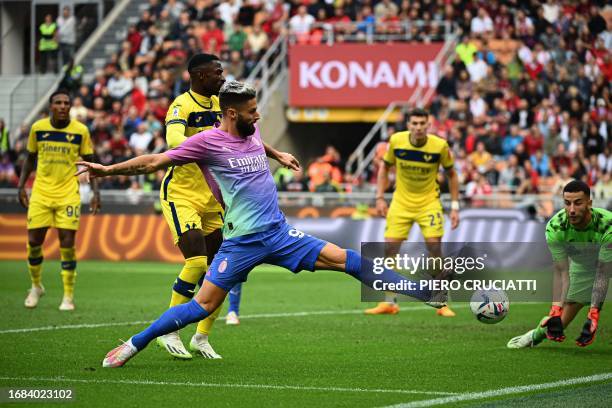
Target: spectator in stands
(480,157)
(72,76)
(491,174)
(5,140)
(237,39)
(479,186)
(301,23)
(531,181)
(466,50)
(257,40)
(120,85)
(594,143)
(8,178)
(533,141)
(481,24)
(511,141)
(66,26)
(235,67)
(603,188)
(47,45)
(140,140)
(541,164)
(384,8)
(510,177)
(523,116)
(447,86)
(478,107)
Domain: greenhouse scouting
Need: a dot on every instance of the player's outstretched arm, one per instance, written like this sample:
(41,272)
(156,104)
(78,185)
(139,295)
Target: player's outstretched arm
(453,182)
(94,204)
(28,166)
(285,159)
(145,164)
(600,290)
(382,183)
(553,323)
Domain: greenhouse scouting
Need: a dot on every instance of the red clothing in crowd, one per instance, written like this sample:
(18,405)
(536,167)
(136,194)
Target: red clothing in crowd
(533,143)
(139,100)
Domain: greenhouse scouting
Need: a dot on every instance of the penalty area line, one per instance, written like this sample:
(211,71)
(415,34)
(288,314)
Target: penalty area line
(471,396)
(220,385)
(253,316)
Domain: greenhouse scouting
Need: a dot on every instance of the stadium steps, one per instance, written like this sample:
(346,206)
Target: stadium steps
(110,42)
(21,92)
(275,121)
(25,94)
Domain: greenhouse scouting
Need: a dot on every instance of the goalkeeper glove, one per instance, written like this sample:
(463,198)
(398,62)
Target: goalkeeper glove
(554,325)
(587,335)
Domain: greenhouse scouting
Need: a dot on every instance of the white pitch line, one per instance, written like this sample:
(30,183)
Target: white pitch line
(503,391)
(254,316)
(218,385)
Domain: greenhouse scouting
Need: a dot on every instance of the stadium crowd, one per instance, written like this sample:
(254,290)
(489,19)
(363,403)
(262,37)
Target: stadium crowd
(525,105)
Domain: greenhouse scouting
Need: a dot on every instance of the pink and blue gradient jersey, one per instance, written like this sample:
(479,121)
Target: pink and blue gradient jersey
(237,172)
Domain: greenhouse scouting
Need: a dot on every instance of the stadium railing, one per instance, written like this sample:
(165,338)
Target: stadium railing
(269,72)
(499,199)
(381,31)
(358,161)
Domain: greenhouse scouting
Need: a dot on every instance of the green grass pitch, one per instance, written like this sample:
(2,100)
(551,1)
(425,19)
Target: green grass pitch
(302,341)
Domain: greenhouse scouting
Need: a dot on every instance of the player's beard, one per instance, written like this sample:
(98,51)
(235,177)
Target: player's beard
(244,128)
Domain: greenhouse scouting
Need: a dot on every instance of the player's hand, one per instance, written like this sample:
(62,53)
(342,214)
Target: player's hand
(554,325)
(288,160)
(94,169)
(22,195)
(94,204)
(454,216)
(587,335)
(381,207)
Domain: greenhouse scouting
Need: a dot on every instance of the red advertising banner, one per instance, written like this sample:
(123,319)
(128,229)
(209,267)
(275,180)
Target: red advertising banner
(364,75)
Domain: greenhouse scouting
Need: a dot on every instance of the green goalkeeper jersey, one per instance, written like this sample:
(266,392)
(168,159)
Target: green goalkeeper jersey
(583,247)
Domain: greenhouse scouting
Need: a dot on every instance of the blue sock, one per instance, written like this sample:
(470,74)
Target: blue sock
(173,319)
(234,298)
(367,277)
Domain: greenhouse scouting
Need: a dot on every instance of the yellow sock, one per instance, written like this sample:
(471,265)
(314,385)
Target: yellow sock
(68,257)
(184,286)
(35,258)
(205,326)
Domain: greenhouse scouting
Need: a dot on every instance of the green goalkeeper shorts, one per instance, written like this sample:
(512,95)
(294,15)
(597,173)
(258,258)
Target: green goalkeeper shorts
(580,287)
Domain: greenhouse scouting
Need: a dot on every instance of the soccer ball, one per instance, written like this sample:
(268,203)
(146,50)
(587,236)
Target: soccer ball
(489,306)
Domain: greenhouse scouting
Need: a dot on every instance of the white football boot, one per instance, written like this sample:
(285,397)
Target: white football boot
(172,343)
(34,295)
(199,343)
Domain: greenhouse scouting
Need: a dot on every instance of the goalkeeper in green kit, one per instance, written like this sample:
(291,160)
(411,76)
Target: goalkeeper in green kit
(580,240)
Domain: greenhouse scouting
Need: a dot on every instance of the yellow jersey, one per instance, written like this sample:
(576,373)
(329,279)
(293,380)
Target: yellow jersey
(190,113)
(57,150)
(417,168)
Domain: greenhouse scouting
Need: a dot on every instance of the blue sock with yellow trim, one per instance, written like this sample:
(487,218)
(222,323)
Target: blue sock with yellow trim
(68,256)
(173,319)
(35,259)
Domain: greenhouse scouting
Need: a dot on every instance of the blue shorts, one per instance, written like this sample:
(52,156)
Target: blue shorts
(281,245)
